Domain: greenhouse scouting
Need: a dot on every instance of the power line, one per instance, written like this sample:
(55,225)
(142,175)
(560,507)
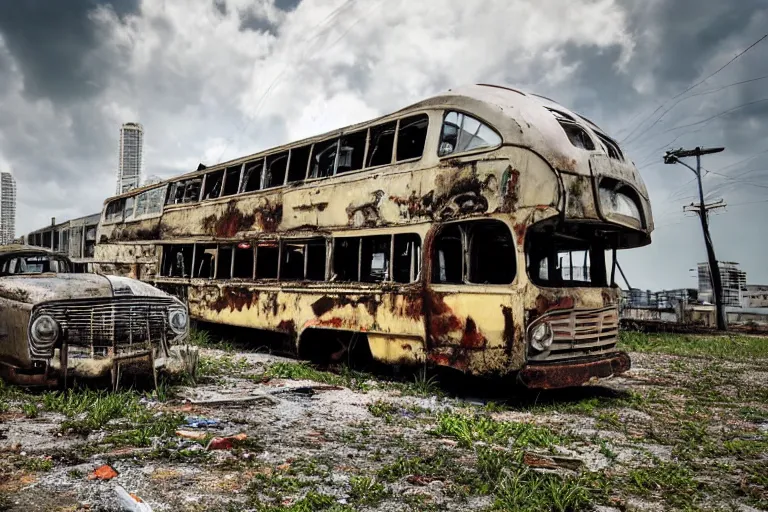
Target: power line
(703,121)
(722,67)
(692,87)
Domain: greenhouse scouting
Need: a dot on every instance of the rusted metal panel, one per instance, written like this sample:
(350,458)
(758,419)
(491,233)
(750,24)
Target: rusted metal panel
(572,373)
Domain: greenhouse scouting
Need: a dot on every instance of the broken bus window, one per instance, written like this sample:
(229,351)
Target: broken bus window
(411,137)
(324,158)
(462,132)
(267,260)
(231,181)
(177,260)
(213,182)
(243,261)
(297,167)
(252,175)
(351,152)
(276,167)
(381,144)
(205,261)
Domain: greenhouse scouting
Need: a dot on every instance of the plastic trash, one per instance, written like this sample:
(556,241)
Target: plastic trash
(195,422)
(225,443)
(105,472)
(130,502)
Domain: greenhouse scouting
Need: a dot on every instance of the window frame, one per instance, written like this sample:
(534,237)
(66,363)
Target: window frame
(417,265)
(466,240)
(470,151)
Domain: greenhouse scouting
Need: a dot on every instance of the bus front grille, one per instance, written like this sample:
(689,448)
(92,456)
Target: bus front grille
(581,333)
(114,326)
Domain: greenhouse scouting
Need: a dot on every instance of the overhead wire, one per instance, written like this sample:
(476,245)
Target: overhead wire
(661,106)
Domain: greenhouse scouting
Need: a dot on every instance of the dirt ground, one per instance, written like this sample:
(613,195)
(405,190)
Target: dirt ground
(685,429)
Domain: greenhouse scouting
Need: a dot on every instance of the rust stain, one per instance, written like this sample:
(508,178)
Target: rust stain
(233,298)
(270,216)
(287,326)
(229,223)
(510,189)
(543,304)
(519,233)
(509,329)
(472,338)
(326,303)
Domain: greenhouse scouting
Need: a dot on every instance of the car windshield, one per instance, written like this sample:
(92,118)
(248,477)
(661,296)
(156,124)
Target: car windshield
(33,264)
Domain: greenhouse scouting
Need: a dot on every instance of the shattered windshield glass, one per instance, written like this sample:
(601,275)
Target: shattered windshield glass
(33,264)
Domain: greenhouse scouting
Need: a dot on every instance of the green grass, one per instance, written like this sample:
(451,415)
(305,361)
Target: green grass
(729,347)
(366,491)
(221,366)
(468,429)
(524,490)
(674,482)
(304,371)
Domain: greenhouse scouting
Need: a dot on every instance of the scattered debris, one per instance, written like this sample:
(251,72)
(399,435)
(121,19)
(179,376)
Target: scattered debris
(189,434)
(225,443)
(194,422)
(105,472)
(549,461)
(130,502)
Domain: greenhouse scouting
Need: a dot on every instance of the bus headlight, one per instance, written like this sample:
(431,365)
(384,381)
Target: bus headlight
(177,320)
(541,337)
(44,331)
(616,202)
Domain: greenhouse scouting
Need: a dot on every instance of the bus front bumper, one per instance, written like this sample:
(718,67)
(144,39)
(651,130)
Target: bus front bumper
(572,373)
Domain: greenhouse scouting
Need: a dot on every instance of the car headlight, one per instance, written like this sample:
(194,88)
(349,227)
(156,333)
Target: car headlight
(618,203)
(44,331)
(177,320)
(541,337)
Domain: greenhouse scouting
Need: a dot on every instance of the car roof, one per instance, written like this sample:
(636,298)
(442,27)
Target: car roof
(18,248)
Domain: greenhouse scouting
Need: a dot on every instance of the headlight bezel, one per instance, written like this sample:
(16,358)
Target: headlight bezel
(176,312)
(619,202)
(35,335)
(540,337)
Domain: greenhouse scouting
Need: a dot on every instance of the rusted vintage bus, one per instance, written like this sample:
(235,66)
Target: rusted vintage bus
(476,229)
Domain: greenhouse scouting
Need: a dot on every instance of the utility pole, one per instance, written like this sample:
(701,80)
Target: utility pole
(673,157)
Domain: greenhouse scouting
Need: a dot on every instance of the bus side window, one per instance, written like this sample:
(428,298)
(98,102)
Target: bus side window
(374,261)
(464,133)
(381,144)
(177,260)
(297,167)
(252,175)
(406,265)
(114,214)
(351,152)
(224,266)
(213,185)
(411,137)
(243,266)
(324,158)
(205,261)
(231,181)
(267,260)
(346,259)
(316,260)
(292,265)
(276,167)
(447,260)
(492,256)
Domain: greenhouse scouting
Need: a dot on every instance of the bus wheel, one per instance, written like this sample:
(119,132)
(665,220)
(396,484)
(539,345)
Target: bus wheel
(326,347)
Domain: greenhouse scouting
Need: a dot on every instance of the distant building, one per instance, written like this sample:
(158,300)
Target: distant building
(755,296)
(734,283)
(76,238)
(7,208)
(130,157)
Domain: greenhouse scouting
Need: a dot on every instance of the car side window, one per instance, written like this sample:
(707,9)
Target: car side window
(462,133)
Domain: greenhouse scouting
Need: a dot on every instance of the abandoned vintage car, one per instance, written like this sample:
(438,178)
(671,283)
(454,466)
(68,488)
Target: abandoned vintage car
(55,324)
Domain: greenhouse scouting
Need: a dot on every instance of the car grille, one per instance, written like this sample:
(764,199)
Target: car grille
(108,326)
(581,333)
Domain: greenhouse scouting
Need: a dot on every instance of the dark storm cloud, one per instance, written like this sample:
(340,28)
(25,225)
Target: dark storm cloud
(221,6)
(287,5)
(250,20)
(53,44)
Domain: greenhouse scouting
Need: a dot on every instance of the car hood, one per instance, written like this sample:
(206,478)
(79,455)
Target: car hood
(35,288)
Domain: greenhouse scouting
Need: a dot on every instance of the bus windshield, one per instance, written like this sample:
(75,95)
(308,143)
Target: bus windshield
(33,264)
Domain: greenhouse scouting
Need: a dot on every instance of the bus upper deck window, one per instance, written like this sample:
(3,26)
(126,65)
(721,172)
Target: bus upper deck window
(231,181)
(464,133)
(324,158)
(192,190)
(381,144)
(252,175)
(411,137)
(128,211)
(213,182)
(114,214)
(297,167)
(351,152)
(274,176)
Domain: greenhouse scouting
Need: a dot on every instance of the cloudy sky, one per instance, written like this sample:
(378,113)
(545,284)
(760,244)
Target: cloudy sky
(211,80)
